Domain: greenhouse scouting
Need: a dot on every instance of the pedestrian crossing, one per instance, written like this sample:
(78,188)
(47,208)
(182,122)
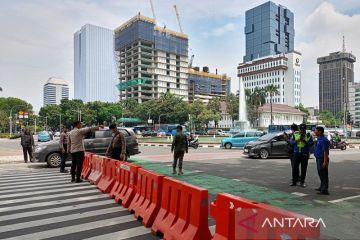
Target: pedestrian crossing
(43,204)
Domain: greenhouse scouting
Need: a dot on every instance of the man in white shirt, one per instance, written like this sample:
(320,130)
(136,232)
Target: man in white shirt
(77,149)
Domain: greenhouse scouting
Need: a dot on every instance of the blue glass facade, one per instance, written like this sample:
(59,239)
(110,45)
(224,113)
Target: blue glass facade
(205,84)
(142,30)
(269,29)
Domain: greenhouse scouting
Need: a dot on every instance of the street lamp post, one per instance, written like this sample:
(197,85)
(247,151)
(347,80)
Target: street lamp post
(160,119)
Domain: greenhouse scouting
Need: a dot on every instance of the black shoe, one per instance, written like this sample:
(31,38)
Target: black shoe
(79,181)
(64,171)
(72,180)
(303,185)
(323,193)
(317,189)
(292,184)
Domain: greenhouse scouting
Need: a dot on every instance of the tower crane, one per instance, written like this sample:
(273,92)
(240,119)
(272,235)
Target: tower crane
(153,10)
(178,18)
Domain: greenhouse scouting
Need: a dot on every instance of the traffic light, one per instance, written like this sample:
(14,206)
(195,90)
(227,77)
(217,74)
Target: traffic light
(348,118)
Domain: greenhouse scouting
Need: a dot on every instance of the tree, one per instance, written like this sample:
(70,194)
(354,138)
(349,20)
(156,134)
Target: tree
(50,114)
(207,116)
(69,112)
(232,105)
(129,107)
(195,109)
(214,106)
(255,100)
(304,110)
(271,90)
(14,105)
(176,110)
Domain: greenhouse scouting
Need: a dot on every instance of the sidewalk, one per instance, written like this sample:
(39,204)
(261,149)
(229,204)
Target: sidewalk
(169,145)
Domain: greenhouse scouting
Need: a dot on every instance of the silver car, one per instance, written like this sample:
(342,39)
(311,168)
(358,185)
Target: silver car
(96,142)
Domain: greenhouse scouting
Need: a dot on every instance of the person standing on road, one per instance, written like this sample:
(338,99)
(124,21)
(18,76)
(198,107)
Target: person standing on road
(294,128)
(322,160)
(117,147)
(27,143)
(64,149)
(301,141)
(77,149)
(179,147)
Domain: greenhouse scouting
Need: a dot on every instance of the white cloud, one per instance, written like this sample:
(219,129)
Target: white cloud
(320,34)
(220,31)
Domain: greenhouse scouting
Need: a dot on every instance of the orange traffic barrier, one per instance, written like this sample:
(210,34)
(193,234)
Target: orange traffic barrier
(109,173)
(86,169)
(147,200)
(183,213)
(239,219)
(96,163)
(124,189)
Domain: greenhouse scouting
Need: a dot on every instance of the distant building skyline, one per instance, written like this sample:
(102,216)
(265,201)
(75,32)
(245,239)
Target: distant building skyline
(55,89)
(269,30)
(336,73)
(204,85)
(152,53)
(95,73)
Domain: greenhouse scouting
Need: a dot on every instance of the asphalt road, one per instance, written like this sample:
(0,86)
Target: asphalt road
(221,170)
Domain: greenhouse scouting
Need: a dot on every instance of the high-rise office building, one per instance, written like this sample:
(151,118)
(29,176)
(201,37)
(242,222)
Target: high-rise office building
(283,71)
(95,71)
(154,56)
(55,89)
(354,102)
(269,30)
(336,73)
(204,85)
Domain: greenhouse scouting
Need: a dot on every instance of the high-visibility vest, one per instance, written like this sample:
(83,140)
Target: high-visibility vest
(301,144)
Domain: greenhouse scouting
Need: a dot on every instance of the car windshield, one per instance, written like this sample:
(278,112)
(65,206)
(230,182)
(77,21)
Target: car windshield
(268,136)
(43,133)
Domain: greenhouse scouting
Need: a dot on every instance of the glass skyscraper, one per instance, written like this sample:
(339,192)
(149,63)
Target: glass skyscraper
(95,70)
(269,30)
(55,89)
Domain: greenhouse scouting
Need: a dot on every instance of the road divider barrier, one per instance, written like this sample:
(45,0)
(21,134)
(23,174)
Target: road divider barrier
(126,176)
(242,219)
(107,180)
(86,169)
(183,213)
(147,200)
(96,163)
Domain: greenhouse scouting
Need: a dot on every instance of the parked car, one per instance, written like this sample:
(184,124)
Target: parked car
(96,142)
(149,133)
(215,132)
(44,136)
(269,145)
(204,133)
(358,134)
(240,139)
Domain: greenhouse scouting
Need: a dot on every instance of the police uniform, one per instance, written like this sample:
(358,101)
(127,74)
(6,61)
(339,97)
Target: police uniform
(301,144)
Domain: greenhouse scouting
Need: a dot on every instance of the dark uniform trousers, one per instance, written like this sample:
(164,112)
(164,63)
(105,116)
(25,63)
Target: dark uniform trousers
(178,155)
(76,164)
(297,160)
(323,175)
(64,156)
(27,149)
(115,153)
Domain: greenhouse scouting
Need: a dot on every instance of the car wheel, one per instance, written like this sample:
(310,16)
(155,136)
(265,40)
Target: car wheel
(263,154)
(54,160)
(228,145)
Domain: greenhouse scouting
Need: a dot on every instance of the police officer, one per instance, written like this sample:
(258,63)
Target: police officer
(294,128)
(63,149)
(179,147)
(117,147)
(301,141)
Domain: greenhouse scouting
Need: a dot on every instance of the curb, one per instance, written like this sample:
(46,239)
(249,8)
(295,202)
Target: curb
(169,145)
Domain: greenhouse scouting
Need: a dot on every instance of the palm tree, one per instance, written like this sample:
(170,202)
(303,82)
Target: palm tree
(258,99)
(272,90)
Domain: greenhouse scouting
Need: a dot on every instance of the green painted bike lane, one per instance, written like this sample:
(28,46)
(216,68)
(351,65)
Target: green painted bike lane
(342,219)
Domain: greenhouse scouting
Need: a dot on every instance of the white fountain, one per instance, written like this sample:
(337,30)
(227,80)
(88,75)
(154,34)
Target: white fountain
(243,122)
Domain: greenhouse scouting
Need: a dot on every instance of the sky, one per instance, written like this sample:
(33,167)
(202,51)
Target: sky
(36,36)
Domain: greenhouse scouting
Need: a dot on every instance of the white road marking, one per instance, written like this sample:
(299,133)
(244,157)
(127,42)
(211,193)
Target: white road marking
(75,228)
(344,199)
(125,234)
(299,194)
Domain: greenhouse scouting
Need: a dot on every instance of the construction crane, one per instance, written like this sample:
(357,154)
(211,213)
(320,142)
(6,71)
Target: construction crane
(178,18)
(153,10)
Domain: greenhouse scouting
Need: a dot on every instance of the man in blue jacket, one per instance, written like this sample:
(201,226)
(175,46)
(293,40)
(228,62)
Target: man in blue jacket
(322,160)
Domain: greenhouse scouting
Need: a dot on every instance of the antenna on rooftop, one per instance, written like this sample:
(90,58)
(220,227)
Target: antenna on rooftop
(343,47)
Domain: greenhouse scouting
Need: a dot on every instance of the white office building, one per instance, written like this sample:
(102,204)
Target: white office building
(282,115)
(95,70)
(284,71)
(55,89)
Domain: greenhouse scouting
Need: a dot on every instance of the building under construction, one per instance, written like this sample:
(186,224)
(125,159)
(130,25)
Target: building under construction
(204,85)
(152,60)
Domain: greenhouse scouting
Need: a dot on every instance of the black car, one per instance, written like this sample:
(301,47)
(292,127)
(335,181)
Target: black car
(269,145)
(96,142)
(149,133)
